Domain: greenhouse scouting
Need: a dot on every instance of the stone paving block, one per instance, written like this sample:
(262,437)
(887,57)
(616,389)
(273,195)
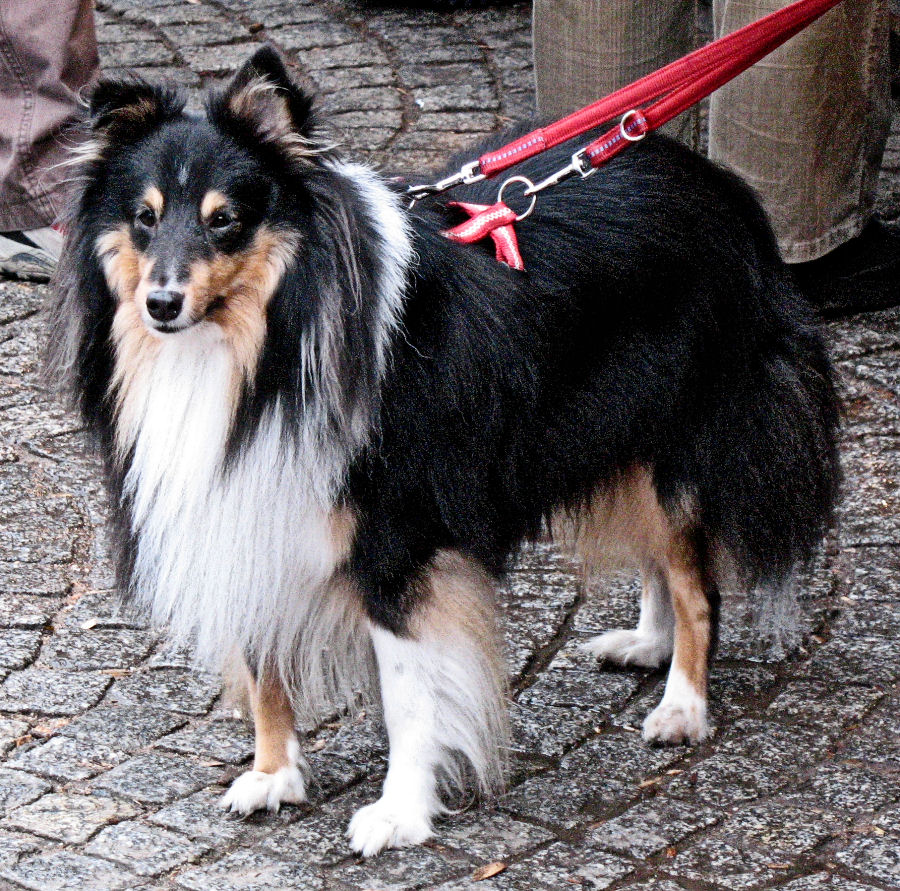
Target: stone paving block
(190,692)
(793,825)
(67,817)
(11,730)
(212,33)
(25,578)
(18,301)
(873,660)
(225,740)
(66,758)
(361,99)
(52,692)
(889,820)
(726,865)
(127,55)
(487,835)
(751,760)
(206,60)
(557,866)
(460,97)
(18,788)
(18,647)
(176,13)
(27,610)
(820,702)
(650,826)
(102,609)
(251,870)
(824,881)
(606,769)
(96,648)
(62,870)
(330,80)
(854,788)
(409,868)
(126,726)
(348,56)
(148,850)
(875,858)
(310,36)
(200,816)
(14,845)
(157,778)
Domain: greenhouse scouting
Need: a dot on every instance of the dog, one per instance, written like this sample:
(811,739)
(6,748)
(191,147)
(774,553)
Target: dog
(327,428)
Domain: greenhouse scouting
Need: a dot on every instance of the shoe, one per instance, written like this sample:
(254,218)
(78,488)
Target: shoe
(31,255)
(861,275)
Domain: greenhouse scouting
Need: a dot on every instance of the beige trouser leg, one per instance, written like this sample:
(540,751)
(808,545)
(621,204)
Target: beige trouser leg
(584,49)
(48,53)
(806,127)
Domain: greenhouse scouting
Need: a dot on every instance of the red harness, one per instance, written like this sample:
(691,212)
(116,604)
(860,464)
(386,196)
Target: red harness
(676,87)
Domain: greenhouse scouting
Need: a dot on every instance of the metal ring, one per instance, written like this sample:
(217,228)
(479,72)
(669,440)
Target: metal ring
(624,132)
(529,185)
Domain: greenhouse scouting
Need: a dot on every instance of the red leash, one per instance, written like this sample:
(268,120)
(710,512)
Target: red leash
(680,85)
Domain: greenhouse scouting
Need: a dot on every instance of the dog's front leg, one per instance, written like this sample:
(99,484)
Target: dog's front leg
(443,685)
(278,767)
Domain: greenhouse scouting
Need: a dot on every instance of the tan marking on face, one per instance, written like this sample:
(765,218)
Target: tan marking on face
(234,290)
(212,201)
(155,200)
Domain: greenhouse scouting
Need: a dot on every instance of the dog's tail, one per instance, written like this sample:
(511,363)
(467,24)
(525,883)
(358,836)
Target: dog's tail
(767,471)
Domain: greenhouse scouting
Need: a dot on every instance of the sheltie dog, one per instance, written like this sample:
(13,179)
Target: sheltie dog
(327,428)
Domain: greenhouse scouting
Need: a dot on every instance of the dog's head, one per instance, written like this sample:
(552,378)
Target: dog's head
(190,217)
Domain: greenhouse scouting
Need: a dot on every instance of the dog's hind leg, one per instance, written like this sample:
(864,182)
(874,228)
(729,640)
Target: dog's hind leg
(278,767)
(681,715)
(443,686)
(650,644)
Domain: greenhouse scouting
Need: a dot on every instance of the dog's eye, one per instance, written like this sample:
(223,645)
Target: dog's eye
(146,217)
(220,221)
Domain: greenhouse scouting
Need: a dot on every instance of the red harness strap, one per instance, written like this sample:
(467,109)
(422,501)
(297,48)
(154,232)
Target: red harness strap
(681,84)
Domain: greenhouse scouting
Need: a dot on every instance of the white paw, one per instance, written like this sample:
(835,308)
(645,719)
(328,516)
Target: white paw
(255,790)
(630,648)
(384,824)
(677,723)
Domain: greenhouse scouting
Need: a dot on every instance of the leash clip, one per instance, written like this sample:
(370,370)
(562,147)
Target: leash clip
(580,164)
(465,176)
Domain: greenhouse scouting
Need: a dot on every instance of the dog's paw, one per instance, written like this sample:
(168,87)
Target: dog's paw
(385,825)
(677,723)
(255,790)
(630,648)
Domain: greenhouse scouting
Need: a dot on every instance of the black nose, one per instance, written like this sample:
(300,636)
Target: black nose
(164,305)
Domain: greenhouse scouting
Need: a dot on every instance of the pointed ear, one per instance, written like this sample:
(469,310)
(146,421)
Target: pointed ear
(263,97)
(125,110)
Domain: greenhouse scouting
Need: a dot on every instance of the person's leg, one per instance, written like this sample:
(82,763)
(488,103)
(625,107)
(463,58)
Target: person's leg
(48,53)
(806,127)
(584,49)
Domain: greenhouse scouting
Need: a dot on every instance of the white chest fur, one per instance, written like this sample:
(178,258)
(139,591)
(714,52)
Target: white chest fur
(226,556)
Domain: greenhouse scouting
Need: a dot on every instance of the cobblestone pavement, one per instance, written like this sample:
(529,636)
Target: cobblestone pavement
(116,751)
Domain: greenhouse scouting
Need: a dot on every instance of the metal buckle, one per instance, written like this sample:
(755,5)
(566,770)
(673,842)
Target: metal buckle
(465,176)
(580,164)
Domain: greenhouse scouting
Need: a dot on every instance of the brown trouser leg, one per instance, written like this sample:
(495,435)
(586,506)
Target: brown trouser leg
(806,127)
(48,53)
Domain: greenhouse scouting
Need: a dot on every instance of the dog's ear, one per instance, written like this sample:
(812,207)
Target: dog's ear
(125,110)
(263,97)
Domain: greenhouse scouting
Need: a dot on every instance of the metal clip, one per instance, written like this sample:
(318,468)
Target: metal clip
(468,174)
(579,164)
